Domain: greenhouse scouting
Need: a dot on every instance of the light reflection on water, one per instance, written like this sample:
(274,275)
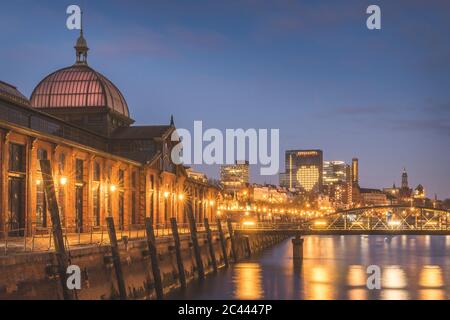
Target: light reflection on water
(248,281)
(334,267)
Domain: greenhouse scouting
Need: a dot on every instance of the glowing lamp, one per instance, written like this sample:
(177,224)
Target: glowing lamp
(63,181)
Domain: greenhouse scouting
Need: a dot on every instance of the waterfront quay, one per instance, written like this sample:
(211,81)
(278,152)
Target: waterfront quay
(136,265)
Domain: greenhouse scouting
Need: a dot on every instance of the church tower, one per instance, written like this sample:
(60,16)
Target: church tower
(405,179)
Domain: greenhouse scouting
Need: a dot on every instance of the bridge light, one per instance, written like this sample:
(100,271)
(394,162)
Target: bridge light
(320,223)
(248,223)
(394,223)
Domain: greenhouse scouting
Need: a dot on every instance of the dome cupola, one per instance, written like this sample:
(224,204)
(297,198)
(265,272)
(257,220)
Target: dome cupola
(83,96)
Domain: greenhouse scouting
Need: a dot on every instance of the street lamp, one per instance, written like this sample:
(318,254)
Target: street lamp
(113,188)
(63,181)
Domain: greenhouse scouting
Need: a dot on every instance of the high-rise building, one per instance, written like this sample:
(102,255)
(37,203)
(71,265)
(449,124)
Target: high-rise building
(337,181)
(334,172)
(304,171)
(355,170)
(236,176)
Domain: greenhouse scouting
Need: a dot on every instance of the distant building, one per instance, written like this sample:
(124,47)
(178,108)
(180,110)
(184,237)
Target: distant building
(197,176)
(337,183)
(373,197)
(392,194)
(355,170)
(304,171)
(405,191)
(419,192)
(355,189)
(334,172)
(268,193)
(235,177)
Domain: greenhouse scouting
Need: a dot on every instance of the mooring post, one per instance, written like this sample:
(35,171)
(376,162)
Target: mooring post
(176,239)
(194,238)
(58,239)
(153,251)
(222,243)
(247,243)
(210,245)
(116,258)
(232,239)
(297,249)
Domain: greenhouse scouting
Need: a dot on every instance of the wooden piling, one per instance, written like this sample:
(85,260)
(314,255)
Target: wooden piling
(52,204)
(180,264)
(222,243)
(297,247)
(210,245)
(116,258)
(248,247)
(194,238)
(232,239)
(151,243)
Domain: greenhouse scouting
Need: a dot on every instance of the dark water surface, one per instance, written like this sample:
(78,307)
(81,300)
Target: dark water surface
(334,267)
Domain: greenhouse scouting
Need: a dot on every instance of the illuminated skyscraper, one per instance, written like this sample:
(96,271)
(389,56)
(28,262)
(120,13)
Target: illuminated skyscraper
(334,172)
(355,170)
(337,182)
(304,170)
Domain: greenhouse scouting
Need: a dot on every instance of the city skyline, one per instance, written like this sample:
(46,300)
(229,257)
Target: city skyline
(388,106)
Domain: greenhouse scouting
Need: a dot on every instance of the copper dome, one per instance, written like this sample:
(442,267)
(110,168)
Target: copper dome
(78,86)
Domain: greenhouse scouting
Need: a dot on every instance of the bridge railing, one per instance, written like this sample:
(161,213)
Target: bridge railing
(41,238)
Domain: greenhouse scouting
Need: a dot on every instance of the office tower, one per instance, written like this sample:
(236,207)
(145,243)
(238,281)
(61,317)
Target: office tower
(304,170)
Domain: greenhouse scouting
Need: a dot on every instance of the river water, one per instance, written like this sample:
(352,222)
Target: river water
(335,267)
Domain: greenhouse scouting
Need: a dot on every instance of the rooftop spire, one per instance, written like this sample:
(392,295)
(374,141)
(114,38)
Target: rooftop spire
(81,47)
(172,122)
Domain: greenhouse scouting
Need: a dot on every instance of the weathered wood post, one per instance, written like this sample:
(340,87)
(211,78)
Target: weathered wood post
(232,239)
(297,250)
(180,265)
(210,245)
(116,258)
(194,238)
(151,243)
(248,247)
(60,251)
(222,243)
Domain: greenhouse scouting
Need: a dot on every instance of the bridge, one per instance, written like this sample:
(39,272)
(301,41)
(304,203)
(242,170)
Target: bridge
(375,220)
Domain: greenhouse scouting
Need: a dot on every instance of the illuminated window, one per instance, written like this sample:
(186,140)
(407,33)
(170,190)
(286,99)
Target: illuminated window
(308,177)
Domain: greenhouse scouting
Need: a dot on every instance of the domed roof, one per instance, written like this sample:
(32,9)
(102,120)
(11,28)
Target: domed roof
(78,86)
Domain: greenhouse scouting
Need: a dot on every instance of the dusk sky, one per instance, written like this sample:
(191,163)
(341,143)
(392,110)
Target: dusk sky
(310,68)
